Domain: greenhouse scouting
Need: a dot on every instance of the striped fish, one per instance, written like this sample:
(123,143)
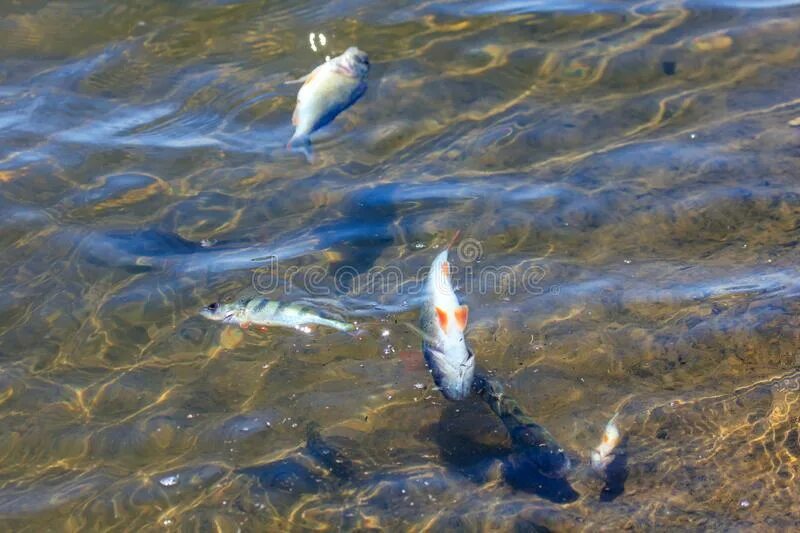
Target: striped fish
(263,312)
(533,447)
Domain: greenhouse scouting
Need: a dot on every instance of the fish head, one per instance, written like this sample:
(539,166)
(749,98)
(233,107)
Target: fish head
(211,311)
(600,462)
(218,311)
(356,61)
(452,366)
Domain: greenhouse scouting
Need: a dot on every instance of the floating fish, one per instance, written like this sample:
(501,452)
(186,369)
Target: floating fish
(602,456)
(443,321)
(328,90)
(263,312)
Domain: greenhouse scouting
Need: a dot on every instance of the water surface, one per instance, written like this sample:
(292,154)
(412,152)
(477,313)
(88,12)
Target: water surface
(637,158)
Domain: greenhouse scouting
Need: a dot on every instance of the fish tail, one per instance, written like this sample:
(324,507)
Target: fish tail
(341,326)
(331,323)
(301,143)
(298,140)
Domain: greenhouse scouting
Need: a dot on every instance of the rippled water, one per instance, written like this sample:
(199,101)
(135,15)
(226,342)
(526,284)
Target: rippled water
(638,158)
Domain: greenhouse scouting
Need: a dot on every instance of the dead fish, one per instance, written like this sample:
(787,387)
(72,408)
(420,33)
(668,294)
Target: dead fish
(263,312)
(328,90)
(603,455)
(443,322)
(533,446)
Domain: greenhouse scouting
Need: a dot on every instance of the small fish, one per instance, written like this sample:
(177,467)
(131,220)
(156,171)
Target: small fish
(263,312)
(328,90)
(443,321)
(602,456)
(533,447)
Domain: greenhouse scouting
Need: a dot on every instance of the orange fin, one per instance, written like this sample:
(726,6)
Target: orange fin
(441,314)
(462,313)
(245,325)
(446,269)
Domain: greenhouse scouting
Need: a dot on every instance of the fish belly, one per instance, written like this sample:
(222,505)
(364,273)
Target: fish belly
(322,99)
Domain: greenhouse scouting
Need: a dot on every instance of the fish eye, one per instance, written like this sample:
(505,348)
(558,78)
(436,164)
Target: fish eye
(213,307)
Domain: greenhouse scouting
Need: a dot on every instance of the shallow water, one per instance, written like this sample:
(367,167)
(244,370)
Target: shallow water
(624,177)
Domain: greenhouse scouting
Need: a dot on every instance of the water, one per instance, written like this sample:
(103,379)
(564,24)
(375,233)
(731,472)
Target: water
(630,168)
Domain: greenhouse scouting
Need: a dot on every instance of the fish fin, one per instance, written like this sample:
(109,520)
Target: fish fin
(304,79)
(301,79)
(441,314)
(309,153)
(446,269)
(245,325)
(302,144)
(295,117)
(462,313)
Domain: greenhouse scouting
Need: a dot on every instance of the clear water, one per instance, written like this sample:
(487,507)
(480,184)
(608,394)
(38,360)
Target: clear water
(630,167)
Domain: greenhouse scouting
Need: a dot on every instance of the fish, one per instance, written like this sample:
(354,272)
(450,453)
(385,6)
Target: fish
(533,446)
(264,312)
(603,455)
(327,91)
(443,321)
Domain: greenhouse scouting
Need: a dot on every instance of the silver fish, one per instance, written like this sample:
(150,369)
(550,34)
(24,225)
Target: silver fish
(443,321)
(328,90)
(263,312)
(603,454)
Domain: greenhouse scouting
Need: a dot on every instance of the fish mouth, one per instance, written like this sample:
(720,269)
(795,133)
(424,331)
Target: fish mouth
(347,70)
